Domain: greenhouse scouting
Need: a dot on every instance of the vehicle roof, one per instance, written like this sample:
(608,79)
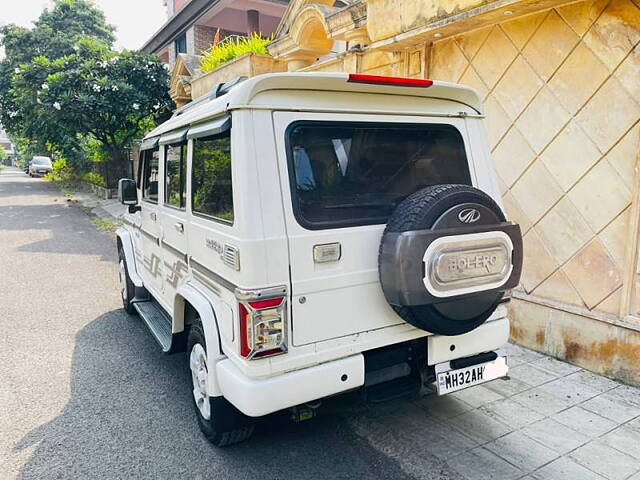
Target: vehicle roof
(244,95)
(37,157)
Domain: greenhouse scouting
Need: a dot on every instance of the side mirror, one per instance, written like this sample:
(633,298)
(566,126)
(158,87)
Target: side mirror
(127,192)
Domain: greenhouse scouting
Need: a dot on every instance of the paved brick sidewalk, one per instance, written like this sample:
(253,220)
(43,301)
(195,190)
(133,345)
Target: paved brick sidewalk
(549,421)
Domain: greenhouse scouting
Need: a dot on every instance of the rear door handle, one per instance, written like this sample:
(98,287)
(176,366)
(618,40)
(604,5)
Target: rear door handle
(152,216)
(179,227)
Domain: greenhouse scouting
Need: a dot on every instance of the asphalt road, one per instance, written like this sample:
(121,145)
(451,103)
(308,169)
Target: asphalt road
(86,393)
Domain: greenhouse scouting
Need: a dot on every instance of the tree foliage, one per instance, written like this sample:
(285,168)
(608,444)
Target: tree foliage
(62,85)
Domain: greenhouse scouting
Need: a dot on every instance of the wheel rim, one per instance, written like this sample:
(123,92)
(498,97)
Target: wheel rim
(122,274)
(199,375)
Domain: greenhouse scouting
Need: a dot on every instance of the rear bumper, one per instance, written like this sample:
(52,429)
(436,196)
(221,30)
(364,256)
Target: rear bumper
(258,397)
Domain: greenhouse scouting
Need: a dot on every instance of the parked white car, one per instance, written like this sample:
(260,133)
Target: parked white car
(40,166)
(302,235)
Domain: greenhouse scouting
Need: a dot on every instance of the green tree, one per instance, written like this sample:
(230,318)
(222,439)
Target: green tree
(54,35)
(111,96)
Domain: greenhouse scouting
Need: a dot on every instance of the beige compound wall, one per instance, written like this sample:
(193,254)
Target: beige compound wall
(562,96)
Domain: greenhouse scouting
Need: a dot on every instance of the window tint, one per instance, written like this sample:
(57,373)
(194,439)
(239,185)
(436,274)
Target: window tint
(150,175)
(346,174)
(175,167)
(211,177)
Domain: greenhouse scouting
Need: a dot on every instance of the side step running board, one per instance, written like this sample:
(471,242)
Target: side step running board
(158,322)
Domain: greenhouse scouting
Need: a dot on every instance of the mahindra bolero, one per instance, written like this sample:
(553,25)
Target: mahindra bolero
(301,235)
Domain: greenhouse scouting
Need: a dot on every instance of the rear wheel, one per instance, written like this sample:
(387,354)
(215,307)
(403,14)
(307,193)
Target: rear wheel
(222,423)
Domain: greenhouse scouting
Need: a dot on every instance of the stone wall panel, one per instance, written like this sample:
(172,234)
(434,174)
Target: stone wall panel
(562,99)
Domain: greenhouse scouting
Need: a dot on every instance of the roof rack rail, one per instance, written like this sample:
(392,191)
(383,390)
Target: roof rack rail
(222,88)
(217,91)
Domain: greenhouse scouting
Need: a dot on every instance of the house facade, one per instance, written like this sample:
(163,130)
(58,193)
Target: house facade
(192,27)
(561,87)
(192,24)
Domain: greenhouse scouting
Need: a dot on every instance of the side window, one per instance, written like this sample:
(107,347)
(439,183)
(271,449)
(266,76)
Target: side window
(150,175)
(211,177)
(175,168)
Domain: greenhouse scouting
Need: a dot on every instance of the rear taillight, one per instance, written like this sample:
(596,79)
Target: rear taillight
(262,327)
(395,81)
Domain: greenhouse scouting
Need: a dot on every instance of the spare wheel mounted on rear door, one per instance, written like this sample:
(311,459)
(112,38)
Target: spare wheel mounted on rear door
(447,257)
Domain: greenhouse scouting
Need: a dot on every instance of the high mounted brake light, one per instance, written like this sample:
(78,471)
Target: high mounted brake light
(395,81)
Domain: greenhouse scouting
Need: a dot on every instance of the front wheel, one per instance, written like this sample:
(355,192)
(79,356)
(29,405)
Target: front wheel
(127,289)
(221,422)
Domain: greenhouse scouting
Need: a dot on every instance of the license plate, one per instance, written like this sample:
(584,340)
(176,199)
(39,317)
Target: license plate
(454,380)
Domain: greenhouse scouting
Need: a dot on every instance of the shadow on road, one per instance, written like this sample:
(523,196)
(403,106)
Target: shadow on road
(68,230)
(129,415)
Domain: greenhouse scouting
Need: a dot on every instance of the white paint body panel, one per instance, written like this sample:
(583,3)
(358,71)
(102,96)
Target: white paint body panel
(488,336)
(126,239)
(261,397)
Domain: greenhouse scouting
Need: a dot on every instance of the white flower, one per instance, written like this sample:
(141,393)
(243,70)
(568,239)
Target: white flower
(39,101)
(12,114)
(17,70)
(156,106)
(136,106)
(57,106)
(45,86)
(96,87)
(114,88)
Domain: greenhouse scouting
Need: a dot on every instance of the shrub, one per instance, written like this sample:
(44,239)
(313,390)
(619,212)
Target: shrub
(95,179)
(231,48)
(62,172)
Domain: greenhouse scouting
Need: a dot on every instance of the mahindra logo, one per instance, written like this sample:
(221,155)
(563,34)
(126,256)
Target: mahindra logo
(469,215)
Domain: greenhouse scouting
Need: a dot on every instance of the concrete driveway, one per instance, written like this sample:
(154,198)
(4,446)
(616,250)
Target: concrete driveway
(86,393)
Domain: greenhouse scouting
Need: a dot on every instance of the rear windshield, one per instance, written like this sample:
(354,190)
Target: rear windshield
(347,174)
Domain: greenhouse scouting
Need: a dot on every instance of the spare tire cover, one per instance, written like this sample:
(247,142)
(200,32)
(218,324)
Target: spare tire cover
(431,213)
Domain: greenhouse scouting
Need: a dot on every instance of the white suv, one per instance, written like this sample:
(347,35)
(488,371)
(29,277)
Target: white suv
(302,235)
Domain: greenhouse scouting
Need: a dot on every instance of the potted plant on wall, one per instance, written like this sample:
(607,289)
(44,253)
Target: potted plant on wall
(234,57)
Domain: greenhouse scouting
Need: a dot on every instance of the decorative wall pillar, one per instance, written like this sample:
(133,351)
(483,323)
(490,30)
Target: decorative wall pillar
(298,61)
(358,36)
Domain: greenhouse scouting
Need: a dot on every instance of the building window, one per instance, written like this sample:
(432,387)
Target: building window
(181,44)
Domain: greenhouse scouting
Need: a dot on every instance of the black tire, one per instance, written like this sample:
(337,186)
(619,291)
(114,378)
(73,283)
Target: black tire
(424,210)
(130,288)
(227,425)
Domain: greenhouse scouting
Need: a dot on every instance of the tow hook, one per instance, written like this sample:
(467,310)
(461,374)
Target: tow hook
(303,412)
